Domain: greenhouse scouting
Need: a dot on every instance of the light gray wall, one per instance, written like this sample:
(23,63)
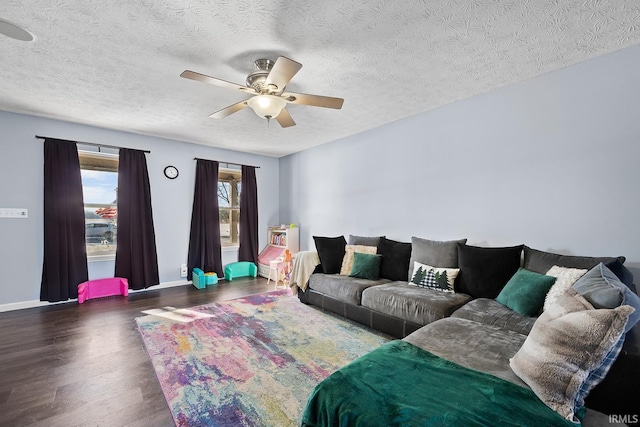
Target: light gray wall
(21,186)
(551,162)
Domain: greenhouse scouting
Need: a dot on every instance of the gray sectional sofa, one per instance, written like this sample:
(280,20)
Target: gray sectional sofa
(467,326)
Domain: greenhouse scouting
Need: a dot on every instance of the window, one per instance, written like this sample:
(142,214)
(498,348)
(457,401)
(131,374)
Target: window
(229,187)
(100,191)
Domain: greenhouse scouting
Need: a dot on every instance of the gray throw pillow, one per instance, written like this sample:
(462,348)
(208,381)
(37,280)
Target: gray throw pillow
(555,363)
(363,240)
(603,289)
(435,253)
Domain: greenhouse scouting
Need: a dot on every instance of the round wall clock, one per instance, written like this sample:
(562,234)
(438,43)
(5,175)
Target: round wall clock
(171,172)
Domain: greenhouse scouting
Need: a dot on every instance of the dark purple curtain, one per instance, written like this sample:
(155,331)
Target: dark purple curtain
(136,256)
(248,216)
(65,254)
(205,251)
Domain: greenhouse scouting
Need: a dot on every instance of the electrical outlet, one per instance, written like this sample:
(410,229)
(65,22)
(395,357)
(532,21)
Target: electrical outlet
(183,270)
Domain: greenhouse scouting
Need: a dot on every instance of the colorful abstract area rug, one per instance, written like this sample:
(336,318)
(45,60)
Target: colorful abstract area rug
(248,362)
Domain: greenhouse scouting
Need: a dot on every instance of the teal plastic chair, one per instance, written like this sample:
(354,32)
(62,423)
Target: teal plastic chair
(201,280)
(240,269)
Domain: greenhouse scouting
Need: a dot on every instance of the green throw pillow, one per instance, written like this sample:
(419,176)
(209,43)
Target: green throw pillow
(525,291)
(366,266)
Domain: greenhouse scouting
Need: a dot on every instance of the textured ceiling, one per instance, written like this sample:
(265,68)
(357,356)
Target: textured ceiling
(116,64)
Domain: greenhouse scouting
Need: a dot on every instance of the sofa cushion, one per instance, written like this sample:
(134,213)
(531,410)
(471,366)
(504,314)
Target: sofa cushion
(412,303)
(395,259)
(433,252)
(478,346)
(603,289)
(349,250)
(331,253)
(485,271)
(568,342)
(342,288)
(541,262)
(490,312)
(439,279)
(524,293)
(364,240)
(366,266)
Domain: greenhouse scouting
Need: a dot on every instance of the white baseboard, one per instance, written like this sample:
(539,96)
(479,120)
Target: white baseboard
(26,304)
(37,303)
(163,285)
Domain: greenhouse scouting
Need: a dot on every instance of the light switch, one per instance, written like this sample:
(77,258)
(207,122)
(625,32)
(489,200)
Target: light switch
(14,213)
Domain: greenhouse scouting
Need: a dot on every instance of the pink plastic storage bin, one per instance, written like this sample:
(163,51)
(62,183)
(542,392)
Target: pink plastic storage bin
(102,288)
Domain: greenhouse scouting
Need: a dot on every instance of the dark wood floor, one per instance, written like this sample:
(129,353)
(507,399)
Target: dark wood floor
(86,365)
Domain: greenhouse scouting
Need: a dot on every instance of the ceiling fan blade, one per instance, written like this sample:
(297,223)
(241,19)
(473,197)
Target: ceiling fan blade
(188,74)
(313,100)
(284,119)
(282,72)
(221,114)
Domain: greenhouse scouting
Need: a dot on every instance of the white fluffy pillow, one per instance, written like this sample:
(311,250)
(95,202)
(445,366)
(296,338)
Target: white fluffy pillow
(565,278)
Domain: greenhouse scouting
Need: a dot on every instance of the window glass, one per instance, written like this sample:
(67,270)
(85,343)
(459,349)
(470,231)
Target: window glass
(229,188)
(100,191)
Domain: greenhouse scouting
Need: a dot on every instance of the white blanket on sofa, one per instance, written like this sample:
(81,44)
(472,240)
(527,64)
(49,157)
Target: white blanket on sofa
(303,265)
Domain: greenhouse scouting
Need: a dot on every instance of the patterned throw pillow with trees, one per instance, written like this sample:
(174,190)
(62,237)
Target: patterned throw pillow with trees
(440,279)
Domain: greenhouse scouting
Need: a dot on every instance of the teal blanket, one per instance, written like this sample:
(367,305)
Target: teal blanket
(400,384)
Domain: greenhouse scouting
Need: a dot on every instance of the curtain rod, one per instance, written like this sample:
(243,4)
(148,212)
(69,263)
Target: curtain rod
(228,163)
(90,143)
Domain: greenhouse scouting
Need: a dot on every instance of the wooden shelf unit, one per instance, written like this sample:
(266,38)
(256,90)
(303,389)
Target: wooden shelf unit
(287,238)
(278,240)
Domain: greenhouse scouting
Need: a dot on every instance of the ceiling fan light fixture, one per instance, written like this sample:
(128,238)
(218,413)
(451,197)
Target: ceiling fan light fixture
(267,106)
(266,86)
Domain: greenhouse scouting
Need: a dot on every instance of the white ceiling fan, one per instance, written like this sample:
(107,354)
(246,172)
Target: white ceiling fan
(266,85)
